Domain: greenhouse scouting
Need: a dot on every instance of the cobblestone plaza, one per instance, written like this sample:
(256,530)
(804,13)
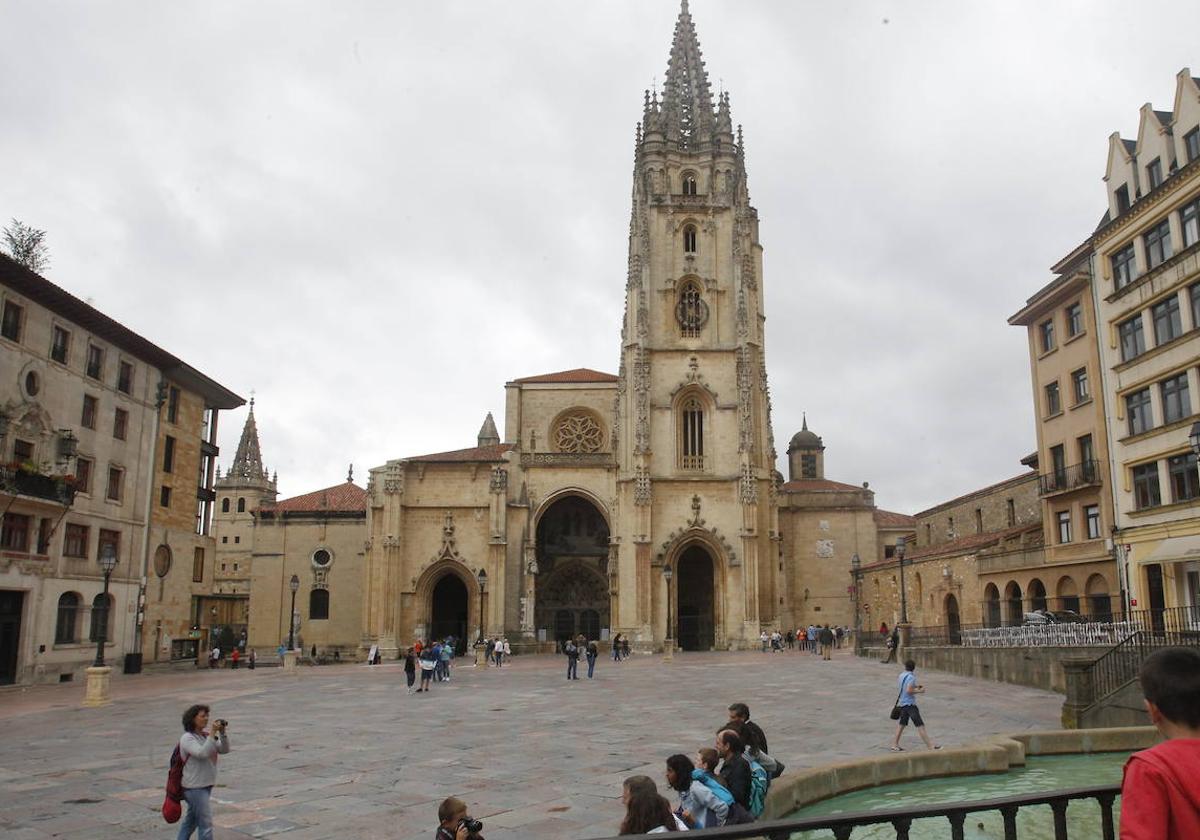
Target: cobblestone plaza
(344,751)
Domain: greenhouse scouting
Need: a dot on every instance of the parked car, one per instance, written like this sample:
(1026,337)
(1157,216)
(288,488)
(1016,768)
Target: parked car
(1041,617)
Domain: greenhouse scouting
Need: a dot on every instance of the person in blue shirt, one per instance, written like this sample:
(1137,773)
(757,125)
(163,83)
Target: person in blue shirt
(908,689)
(444,657)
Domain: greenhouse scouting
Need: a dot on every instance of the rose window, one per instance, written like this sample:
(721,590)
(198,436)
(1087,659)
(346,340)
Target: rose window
(578,433)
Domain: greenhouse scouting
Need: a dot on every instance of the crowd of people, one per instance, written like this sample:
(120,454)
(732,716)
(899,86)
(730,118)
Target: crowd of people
(432,660)
(817,639)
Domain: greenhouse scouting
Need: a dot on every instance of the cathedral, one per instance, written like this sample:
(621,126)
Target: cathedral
(644,502)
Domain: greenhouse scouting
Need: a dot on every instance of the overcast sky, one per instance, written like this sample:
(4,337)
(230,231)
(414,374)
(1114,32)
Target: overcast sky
(373,214)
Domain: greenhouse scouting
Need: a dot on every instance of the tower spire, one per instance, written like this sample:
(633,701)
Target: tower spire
(247,462)
(687,97)
(488,436)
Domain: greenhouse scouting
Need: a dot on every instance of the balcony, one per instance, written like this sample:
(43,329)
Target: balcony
(17,481)
(1083,474)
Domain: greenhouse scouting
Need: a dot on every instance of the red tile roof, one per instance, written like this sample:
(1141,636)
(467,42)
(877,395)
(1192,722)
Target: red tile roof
(890,519)
(576,375)
(466,456)
(818,485)
(342,498)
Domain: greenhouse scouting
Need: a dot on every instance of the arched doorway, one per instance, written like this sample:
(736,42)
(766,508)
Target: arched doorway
(695,600)
(1037,595)
(953,622)
(449,607)
(1099,602)
(1068,594)
(1012,598)
(991,605)
(572,556)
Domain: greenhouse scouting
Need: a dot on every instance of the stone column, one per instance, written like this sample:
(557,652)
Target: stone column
(1081,690)
(905,635)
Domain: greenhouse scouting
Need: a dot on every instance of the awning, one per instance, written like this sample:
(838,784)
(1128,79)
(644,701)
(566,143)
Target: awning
(1174,550)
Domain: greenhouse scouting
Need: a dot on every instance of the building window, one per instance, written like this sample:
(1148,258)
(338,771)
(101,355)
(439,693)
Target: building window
(173,405)
(120,423)
(1122,195)
(1194,293)
(125,377)
(198,565)
(692,444)
(14,532)
(318,604)
(10,326)
(1167,322)
(168,454)
(1189,221)
(60,345)
(83,475)
(237,539)
(1191,142)
(22,451)
(75,541)
(87,417)
(1058,465)
(1137,409)
(1176,401)
(241,506)
(1087,452)
(1064,526)
(1145,486)
(321,557)
(691,312)
(808,466)
(1154,172)
(225,505)
(164,496)
(1124,267)
(1185,482)
(101,618)
(1012,512)
(1158,244)
(978,520)
(689,239)
(113,492)
(68,610)
(1091,516)
(1053,400)
(689,183)
(108,538)
(928,534)
(1046,330)
(224,539)
(1079,386)
(1074,319)
(1133,338)
(95,362)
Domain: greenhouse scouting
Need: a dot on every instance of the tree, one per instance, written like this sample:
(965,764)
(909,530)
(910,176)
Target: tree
(24,244)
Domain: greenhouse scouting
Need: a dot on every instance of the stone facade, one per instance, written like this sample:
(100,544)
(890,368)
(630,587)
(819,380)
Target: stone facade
(80,405)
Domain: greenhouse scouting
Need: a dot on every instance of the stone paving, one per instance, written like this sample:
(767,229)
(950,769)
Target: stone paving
(344,751)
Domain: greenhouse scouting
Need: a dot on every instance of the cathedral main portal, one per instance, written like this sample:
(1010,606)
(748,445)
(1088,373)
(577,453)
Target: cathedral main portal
(572,557)
(696,599)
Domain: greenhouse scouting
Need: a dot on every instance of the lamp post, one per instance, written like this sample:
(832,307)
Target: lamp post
(856,570)
(900,549)
(294,585)
(108,562)
(669,642)
(98,674)
(480,650)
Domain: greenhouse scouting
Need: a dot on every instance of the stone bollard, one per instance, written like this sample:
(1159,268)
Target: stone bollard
(97,693)
(1081,690)
(291,659)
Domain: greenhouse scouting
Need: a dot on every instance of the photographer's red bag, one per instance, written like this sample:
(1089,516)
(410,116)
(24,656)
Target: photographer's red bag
(172,807)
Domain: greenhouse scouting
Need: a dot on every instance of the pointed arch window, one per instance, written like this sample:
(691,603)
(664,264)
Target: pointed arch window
(225,505)
(241,505)
(689,239)
(691,311)
(691,434)
(689,183)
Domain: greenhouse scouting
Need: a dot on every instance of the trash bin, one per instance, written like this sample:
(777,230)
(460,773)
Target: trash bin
(133,663)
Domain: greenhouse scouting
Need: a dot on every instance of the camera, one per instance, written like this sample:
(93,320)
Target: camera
(221,722)
(473,826)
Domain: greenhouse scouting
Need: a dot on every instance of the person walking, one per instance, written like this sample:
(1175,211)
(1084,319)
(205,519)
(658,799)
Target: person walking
(507,649)
(616,648)
(825,636)
(410,669)
(893,646)
(572,653)
(199,748)
(234,658)
(906,702)
(592,652)
(813,639)
(624,647)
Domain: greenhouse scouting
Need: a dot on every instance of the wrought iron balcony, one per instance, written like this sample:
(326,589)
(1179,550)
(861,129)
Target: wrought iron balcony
(52,488)
(1083,474)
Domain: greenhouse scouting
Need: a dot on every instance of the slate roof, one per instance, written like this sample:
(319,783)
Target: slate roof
(573,375)
(346,497)
(491,453)
(1164,117)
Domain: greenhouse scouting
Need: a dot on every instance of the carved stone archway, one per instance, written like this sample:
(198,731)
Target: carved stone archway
(571,553)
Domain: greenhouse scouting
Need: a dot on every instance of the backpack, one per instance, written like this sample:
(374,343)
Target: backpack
(760,783)
(172,809)
(712,783)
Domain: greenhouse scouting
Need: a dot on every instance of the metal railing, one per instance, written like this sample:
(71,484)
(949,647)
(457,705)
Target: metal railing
(901,819)
(1155,629)
(1083,474)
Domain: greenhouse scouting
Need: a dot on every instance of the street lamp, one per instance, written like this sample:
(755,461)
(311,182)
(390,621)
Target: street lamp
(900,545)
(669,651)
(856,570)
(108,562)
(294,585)
(482,578)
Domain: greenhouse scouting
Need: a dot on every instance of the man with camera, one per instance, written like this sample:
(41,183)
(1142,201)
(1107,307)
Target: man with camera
(199,748)
(456,823)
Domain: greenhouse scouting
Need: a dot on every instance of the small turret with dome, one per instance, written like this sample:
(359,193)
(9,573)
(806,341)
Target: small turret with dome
(806,455)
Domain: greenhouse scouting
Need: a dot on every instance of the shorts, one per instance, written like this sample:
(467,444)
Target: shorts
(912,713)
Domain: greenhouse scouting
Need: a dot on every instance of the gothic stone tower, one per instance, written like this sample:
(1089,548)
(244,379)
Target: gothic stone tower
(692,427)
(242,490)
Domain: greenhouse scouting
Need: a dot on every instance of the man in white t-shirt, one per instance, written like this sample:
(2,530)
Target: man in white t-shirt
(215,657)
